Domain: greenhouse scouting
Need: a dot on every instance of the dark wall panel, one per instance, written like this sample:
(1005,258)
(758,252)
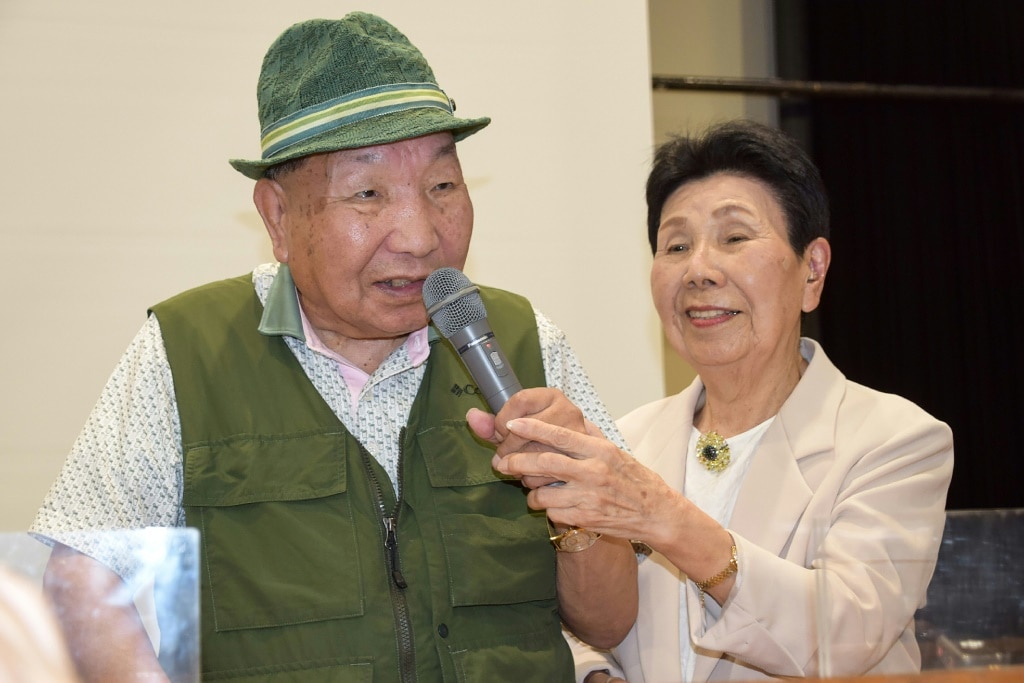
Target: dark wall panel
(925,297)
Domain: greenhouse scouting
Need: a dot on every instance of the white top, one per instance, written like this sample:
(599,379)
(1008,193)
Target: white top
(715,493)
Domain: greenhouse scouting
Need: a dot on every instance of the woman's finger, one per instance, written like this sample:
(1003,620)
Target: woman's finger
(573,443)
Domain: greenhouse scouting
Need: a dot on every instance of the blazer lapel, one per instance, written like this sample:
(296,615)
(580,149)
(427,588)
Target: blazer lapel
(774,494)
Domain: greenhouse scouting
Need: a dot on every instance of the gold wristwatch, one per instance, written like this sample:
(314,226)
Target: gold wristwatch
(574,539)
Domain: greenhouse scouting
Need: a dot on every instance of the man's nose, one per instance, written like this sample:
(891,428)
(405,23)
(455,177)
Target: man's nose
(414,227)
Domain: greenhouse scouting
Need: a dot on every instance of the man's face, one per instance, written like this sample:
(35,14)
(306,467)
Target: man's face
(361,229)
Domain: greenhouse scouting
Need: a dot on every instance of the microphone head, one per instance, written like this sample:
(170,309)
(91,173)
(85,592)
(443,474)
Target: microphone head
(452,301)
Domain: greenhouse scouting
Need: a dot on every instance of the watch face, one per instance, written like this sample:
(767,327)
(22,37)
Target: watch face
(575,540)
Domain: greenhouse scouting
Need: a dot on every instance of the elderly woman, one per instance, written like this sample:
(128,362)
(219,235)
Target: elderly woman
(786,519)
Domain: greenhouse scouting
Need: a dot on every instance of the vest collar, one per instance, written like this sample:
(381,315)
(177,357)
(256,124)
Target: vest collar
(281,316)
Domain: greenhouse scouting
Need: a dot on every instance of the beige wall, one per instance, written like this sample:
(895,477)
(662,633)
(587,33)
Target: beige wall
(712,38)
(118,117)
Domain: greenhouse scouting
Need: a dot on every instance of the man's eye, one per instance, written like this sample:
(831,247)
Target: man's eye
(444,186)
(366,194)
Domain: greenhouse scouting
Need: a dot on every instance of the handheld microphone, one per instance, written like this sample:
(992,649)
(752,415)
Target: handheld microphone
(455,306)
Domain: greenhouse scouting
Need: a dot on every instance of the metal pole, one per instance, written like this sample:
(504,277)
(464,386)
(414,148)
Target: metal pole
(779,87)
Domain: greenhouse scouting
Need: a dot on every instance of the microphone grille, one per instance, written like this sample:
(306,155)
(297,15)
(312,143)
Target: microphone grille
(452,300)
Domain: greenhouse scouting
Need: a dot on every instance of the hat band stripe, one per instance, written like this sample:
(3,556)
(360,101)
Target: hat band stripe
(350,108)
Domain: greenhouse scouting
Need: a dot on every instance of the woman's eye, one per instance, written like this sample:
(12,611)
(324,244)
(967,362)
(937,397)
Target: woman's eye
(676,248)
(732,239)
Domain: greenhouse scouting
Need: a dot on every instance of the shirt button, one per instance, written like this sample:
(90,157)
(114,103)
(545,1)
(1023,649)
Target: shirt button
(442,630)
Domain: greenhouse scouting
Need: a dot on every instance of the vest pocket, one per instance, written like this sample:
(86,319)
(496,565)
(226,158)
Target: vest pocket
(278,538)
(499,553)
(496,561)
(358,672)
(538,656)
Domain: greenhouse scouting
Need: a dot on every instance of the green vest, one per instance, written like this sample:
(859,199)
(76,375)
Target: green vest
(301,579)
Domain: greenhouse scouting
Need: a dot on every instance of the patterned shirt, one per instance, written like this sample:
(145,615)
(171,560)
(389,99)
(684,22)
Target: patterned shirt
(125,469)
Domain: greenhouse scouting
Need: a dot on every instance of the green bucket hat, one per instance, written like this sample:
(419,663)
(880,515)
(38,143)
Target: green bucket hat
(330,84)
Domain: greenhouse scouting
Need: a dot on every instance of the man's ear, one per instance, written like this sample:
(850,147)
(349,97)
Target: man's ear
(271,201)
(817,256)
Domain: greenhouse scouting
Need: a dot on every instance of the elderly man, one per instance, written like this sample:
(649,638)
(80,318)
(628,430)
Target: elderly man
(308,421)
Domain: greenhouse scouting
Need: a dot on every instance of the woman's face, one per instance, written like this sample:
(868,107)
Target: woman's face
(727,285)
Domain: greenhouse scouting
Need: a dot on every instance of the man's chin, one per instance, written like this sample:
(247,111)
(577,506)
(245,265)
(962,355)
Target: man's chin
(403,328)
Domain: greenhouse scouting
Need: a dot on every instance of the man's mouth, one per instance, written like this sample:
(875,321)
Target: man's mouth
(397,283)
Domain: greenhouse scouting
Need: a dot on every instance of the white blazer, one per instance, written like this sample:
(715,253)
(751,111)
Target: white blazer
(841,513)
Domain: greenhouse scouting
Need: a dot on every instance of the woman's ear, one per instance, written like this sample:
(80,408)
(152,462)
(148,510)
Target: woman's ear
(817,256)
(271,202)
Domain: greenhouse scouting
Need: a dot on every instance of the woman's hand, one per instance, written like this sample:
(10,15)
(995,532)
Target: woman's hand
(605,489)
(608,491)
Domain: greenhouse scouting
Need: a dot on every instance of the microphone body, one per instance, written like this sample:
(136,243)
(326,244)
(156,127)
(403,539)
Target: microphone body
(454,305)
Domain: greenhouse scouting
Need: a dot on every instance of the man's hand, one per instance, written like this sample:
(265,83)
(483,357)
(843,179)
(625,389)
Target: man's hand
(606,490)
(545,404)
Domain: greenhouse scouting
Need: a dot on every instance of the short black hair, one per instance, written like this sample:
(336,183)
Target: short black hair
(277,171)
(752,150)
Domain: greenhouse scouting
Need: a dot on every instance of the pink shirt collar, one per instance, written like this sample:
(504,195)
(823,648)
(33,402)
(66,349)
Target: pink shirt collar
(416,346)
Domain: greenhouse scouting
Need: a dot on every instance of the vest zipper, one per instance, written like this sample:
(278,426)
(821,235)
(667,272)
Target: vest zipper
(399,602)
(391,543)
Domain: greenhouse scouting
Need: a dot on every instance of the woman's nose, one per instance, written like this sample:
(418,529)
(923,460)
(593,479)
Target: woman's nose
(702,268)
